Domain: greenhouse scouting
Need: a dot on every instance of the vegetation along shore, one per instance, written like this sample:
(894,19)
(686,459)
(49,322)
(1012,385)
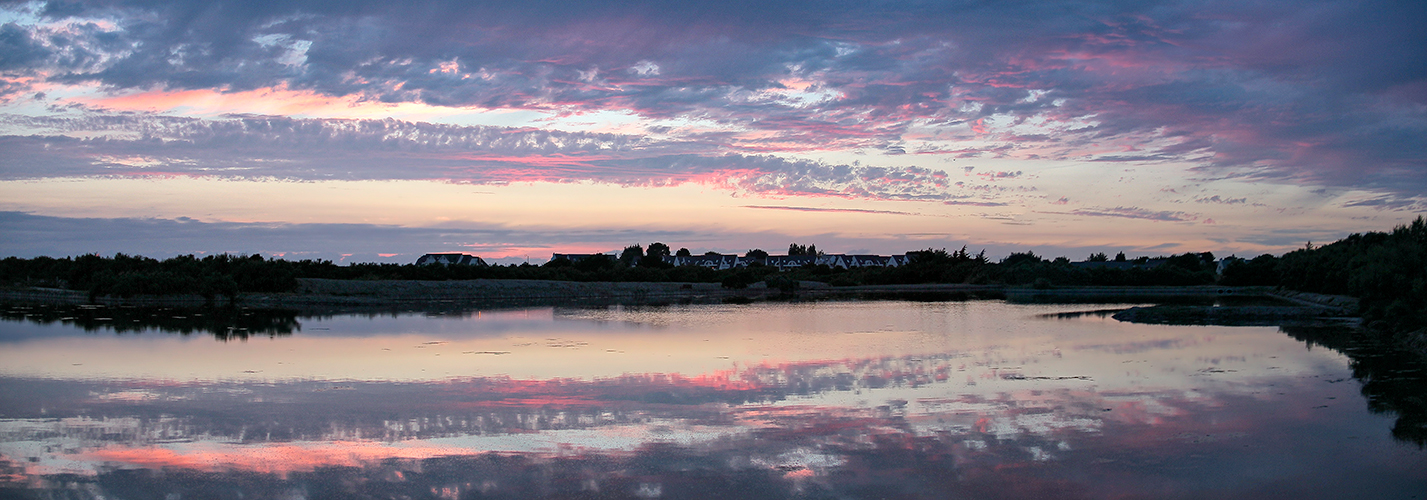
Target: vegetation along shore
(1380,277)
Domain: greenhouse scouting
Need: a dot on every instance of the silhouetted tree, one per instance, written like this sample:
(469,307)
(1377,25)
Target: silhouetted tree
(631,255)
(1261,271)
(597,262)
(1099,257)
(654,258)
(804,250)
(1021,258)
(683,252)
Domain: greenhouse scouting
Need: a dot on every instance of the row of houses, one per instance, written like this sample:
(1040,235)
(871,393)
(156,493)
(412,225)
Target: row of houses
(786,262)
(1120,264)
(449,259)
(782,262)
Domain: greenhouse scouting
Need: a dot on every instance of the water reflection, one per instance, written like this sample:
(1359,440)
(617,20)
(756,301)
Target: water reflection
(1393,381)
(836,400)
(223,323)
(569,438)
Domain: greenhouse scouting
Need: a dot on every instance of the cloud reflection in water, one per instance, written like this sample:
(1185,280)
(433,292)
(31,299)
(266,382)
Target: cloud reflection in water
(1141,411)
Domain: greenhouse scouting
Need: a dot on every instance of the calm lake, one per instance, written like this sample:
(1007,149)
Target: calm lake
(851,399)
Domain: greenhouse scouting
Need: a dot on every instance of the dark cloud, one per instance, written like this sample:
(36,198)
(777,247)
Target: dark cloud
(17,49)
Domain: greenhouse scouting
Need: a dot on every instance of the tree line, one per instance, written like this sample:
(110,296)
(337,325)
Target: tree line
(1387,271)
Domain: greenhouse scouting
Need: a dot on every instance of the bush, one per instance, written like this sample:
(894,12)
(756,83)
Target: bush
(786,285)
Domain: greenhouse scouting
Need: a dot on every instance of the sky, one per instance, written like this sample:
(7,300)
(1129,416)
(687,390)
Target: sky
(378,131)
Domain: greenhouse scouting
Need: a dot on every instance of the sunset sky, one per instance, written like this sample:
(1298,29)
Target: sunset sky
(378,131)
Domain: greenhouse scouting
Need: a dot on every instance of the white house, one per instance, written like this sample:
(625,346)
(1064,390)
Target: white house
(450,259)
(786,262)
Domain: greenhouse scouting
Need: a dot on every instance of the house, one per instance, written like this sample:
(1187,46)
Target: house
(450,259)
(713,261)
(1142,263)
(786,262)
(835,261)
(877,260)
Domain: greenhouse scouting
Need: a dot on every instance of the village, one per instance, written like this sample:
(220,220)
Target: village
(717,261)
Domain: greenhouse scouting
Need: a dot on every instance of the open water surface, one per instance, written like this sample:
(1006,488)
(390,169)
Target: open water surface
(856,399)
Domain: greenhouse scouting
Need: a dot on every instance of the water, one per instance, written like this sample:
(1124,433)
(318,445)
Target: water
(869,399)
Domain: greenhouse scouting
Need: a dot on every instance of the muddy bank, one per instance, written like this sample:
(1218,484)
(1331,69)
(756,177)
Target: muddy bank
(1127,294)
(1231,315)
(322,291)
(1274,308)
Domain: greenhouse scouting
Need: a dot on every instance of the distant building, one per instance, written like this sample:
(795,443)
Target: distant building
(877,260)
(786,262)
(1142,263)
(715,261)
(450,259)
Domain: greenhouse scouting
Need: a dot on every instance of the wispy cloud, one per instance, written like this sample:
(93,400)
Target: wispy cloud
(33,235)
(1216,199)
(317,149)
(968,203)
(830,210)
(1393,203)
(1132,213)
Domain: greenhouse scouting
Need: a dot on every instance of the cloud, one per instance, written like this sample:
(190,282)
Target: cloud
(831,210)
(1393,203)
(1216,199)
(35,235)
(1266,90)
(312,149)
(30,235)
(975,203)
(1132,213)
(18,50)
(992,176)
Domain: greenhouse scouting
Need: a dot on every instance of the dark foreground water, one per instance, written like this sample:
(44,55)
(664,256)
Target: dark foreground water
(876,399)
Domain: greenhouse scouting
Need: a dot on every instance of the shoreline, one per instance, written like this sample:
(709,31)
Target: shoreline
(324,293)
